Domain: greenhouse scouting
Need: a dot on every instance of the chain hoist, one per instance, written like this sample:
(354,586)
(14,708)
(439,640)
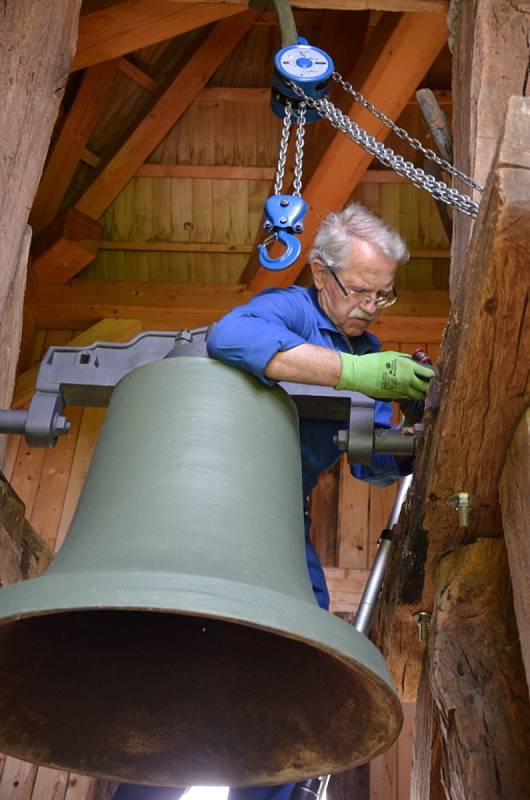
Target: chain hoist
(310,68)
(302,77)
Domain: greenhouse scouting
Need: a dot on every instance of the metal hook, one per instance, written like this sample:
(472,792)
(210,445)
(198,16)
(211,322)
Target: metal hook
(284,214)
(293,247)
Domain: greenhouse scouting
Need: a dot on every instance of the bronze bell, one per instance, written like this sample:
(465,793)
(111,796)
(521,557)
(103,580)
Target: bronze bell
(176,640)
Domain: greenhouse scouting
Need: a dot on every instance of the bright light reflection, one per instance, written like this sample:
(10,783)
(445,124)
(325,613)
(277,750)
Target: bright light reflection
(206,793)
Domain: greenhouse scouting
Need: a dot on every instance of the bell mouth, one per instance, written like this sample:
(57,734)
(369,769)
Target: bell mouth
(174,699)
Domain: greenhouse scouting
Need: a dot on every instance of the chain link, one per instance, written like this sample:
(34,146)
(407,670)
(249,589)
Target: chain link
(299,151)
(284,145)
(439,190)
(405,136)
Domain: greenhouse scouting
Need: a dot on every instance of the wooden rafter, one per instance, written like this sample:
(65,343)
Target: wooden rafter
(67,245)
(68,148)
(410,45)
(485,388)
(162,114)
(419,316)
(121,27)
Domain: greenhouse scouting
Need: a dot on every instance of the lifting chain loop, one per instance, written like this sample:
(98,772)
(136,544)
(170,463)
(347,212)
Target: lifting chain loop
(438,189)
(284,145)
(299,151)
(402,133)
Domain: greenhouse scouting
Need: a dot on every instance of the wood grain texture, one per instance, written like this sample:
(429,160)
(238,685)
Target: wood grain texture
(118,28)
(323,512)
(426,780)
(82,303)
(514,494)
(477,676)
(162,114)
(70,143)
(67,245)
(36,47)
(490,58)
(11,323)
(484,389)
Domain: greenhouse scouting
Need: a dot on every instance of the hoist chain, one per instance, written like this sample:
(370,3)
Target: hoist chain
(299,150)
(284,145)
(402,133)
(437,188)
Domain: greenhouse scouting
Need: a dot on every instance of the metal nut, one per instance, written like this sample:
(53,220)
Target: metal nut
(464,503)
(61,425)
(341,440)
(423,621)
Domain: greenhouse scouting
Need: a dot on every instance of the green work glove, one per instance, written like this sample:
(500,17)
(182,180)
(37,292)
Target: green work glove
(385,376)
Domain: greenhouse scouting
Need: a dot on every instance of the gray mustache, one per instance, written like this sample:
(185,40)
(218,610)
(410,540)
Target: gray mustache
(358,313)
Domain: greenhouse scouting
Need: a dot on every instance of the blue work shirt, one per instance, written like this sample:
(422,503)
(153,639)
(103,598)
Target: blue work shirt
(279,319)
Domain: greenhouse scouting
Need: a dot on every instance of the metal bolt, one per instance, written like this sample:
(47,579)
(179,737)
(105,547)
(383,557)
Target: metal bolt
(299,227)
(61,425)
(267,226)
(284,201)
(283,220)
(341,440)
(423,621)
(463,503)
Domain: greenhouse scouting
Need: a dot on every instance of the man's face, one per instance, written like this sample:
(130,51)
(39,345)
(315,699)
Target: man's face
(367,269)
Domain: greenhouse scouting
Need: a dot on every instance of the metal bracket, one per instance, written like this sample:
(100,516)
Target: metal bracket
(87,377)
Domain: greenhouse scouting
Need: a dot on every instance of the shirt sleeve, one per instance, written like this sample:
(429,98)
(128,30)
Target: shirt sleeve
(250,335)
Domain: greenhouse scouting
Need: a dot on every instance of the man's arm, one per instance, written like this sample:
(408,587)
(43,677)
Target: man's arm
(306,363)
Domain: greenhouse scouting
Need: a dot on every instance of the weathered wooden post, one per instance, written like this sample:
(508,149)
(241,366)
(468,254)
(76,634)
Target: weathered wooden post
(37,43)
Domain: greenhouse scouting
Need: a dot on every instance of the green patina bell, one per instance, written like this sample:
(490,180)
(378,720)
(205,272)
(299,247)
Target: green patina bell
(176,640)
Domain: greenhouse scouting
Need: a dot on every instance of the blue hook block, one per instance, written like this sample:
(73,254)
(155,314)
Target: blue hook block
(284,214)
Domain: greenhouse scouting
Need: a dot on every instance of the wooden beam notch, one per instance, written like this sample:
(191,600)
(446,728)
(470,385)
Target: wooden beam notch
(65,247)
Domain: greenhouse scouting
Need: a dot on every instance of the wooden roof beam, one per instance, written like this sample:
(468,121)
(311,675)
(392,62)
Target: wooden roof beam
(160,116)
(485,387)
(410,43)
(64,258)
(65,247)
(108,30)
(419,316)
(70,144)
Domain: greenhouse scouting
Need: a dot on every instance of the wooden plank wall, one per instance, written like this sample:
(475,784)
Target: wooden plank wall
(221,218)
(230,129)
(50,481)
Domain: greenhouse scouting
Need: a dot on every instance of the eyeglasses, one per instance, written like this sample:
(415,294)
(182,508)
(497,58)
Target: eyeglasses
(381,299)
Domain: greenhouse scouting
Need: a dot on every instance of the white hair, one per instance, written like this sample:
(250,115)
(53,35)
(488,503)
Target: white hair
(332,242)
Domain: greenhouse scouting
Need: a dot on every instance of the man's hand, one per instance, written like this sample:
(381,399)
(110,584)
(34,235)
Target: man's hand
(385,376)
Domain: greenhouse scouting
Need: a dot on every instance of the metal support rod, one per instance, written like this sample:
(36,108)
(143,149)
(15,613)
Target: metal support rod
(13,421)
(374,584)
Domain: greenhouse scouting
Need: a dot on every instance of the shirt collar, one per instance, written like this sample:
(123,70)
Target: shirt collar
(365,343)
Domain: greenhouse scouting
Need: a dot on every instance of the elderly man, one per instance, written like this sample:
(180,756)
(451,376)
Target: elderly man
(320,336)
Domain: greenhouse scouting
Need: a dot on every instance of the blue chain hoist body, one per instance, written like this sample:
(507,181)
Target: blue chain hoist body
(311,69)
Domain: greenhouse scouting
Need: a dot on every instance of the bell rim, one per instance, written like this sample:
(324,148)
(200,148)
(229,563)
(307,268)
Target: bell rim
(296,621)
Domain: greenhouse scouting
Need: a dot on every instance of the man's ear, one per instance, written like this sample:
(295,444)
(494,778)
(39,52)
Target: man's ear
(318,274)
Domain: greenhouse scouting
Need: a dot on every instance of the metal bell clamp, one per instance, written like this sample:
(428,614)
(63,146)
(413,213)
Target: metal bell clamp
(309,68)
(87,376)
